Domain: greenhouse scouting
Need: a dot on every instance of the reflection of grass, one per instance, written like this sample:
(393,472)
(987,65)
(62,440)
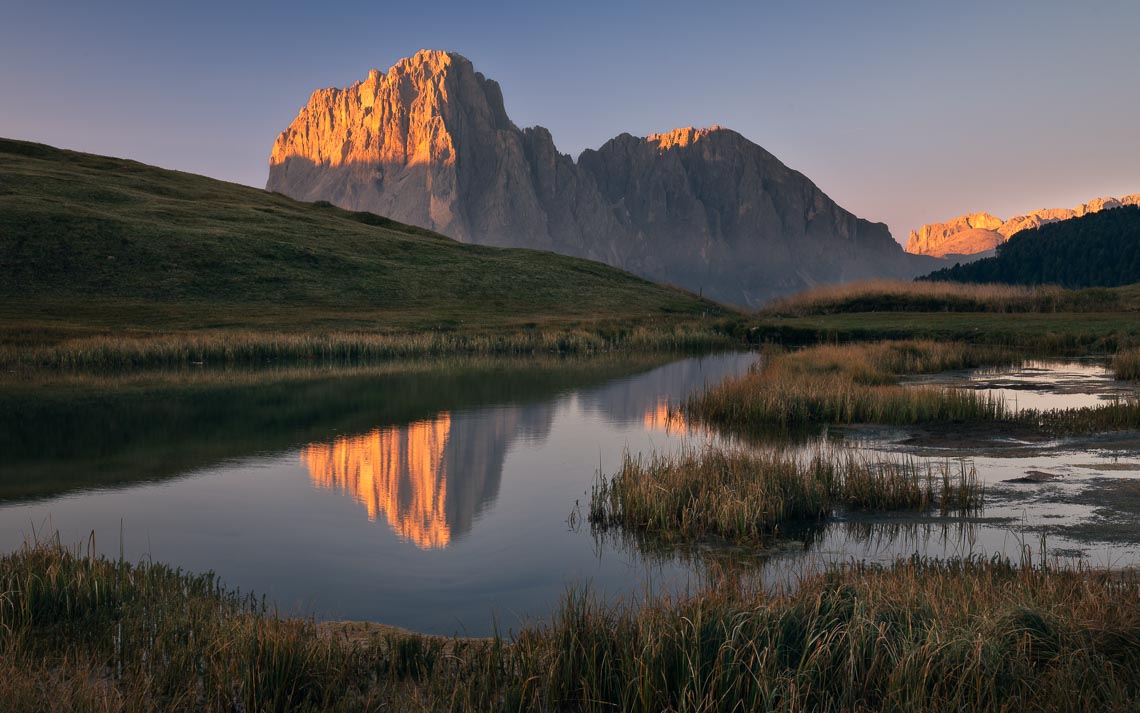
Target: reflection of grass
(88,634)
(745,495)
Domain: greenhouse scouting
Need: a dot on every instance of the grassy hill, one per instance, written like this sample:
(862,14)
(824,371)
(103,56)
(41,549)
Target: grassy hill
(93,245)
(1096,250)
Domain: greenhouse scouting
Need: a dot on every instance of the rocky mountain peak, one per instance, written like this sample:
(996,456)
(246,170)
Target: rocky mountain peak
(682,137)
(429,143)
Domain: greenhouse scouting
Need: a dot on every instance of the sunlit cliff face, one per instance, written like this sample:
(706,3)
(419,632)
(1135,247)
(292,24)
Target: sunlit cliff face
(679,138)
(397,472)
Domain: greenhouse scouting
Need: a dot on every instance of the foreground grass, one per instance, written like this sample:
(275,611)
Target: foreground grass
(903,296)
(861,383)
(78,633)
(746,496)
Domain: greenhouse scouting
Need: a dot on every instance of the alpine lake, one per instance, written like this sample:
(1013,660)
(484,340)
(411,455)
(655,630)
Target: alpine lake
(450,496)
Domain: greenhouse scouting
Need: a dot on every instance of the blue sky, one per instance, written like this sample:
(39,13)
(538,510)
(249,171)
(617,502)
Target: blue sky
(903,112)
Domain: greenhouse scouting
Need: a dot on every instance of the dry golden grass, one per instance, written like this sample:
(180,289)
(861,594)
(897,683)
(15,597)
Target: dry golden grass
(83,634)
(902,296)
(860,383)
(252,348)
(853,384)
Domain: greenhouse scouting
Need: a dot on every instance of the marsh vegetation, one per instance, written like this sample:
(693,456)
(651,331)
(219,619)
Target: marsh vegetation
(852,384)
(748,495)
(862,383)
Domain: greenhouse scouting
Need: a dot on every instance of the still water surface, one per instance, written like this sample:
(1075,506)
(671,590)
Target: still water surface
(444,500)
(445,523)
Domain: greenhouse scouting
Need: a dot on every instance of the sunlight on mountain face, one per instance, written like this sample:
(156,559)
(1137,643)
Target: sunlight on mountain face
(397,472)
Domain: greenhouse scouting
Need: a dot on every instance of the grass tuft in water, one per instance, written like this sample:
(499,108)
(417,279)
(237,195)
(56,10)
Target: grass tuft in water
(746,496)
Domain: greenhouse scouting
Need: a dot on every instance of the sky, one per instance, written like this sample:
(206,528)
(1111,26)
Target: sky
(903,112)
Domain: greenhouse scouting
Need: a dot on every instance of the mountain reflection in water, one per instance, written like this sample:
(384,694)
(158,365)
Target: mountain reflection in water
(399,472)
(430,479)
(434,499)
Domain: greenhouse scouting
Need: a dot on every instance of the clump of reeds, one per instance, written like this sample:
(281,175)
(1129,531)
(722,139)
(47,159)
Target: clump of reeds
(746,495)
(730,493)
(82,633)
(926,296)
(1126,364)
(856,383)
(249,347)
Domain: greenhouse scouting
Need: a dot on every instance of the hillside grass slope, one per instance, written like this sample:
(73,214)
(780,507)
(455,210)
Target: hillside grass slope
(91,245)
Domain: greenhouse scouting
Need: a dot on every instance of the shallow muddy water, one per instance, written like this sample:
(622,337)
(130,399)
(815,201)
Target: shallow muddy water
(1041,385)
(452,499)
(1079,493)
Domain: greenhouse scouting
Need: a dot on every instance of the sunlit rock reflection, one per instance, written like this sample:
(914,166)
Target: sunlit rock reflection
(429,479)
(397,472)
(665,417)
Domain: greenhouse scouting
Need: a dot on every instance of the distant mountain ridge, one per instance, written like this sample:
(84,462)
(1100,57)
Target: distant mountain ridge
(1098,249)
(429,143)
(981,232)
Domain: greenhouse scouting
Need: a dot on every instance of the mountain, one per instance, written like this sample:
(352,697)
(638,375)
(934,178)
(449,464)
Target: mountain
(1098,249)
(429,143)
(91,242)
(977,233)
